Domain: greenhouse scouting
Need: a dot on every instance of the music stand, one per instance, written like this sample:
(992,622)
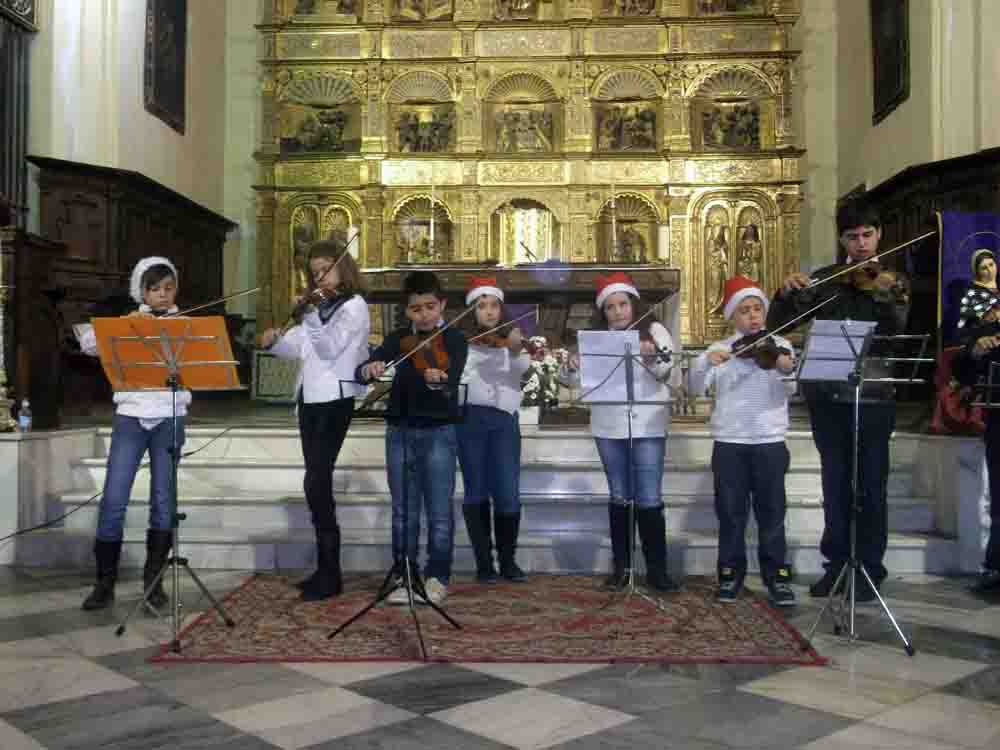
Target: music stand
(611,373)
(165,354)
(839,351)
(404,572)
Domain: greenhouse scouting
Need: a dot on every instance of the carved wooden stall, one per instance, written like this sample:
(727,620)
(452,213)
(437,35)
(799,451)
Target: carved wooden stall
(512,132)
(108,219)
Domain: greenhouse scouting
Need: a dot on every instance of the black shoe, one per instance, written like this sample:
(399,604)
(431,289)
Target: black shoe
(478,524)
(621,555)
(507,527)
(660,580)
(313,580)
(108,555)
(988,583)
(617,580)
(824,586)
(730,585)
(779,589)
(328,581)
(653,533)
(158,544)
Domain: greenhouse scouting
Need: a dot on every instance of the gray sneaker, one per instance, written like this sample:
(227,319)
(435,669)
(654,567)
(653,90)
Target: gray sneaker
(436,591)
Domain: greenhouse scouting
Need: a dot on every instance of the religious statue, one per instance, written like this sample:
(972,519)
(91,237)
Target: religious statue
(305,7)
(631,246)
(523,130)
(716,7)
(303,235)
(322,131)
(516,10)
(751,253)
(627,128)
(425,131)
(423,10)
(731,127)
(628,8)
(717,252)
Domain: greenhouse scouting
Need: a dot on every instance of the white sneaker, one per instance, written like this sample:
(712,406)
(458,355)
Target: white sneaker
(399,596)
(436,591)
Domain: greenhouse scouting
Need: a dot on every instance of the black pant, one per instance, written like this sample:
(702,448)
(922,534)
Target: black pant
(745,474)
(992,438)
(323,427)
(833,432)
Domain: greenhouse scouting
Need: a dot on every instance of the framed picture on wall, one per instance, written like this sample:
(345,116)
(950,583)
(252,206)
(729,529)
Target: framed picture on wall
(890,56)
(164,70)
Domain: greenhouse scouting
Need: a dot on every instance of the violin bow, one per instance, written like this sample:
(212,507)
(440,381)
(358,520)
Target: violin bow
(219,301)
(855,266)
(649,312)
(502,325)
(429,339)
(784,327)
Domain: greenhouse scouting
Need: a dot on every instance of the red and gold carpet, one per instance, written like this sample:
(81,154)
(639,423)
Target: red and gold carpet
(549,619)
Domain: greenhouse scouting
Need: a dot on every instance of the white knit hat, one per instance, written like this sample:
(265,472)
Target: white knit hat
(135,283)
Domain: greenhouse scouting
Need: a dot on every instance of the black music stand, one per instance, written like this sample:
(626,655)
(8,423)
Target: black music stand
(404,572)
(840,352)
(150,354)
(615,378)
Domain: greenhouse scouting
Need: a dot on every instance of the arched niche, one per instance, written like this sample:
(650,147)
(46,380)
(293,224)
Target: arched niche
(311,221)
(524,230)
(626,110)
(421,110)
(319,113)
(626,230)
(417,239)
(522,114)
(733,109)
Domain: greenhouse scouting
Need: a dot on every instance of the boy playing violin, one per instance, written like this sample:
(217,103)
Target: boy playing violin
(420,440)
(749,457)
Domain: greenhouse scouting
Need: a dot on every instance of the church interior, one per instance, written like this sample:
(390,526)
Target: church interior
(655,150)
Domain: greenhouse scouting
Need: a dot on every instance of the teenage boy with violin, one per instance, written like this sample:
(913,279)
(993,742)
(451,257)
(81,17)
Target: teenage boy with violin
(749,456)
(420,440)
(852,296)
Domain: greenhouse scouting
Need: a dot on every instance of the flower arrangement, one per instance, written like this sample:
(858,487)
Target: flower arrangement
(539,385)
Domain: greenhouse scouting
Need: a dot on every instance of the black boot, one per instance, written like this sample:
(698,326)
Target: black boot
(620,552)
(653,532)
(158,544)
(507,526)
(477,523)
(329,580)
(108,554)
(313,580)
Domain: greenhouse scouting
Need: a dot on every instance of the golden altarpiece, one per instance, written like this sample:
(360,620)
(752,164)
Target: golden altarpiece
(640,133)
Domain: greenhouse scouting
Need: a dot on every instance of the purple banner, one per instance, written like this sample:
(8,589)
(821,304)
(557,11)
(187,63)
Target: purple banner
(961,235)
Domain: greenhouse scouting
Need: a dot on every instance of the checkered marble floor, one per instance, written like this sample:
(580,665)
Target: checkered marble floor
(66,681)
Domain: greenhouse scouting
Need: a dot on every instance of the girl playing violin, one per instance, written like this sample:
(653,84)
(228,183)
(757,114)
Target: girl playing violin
(331,341)
(420,441)
(489,438)
(141,424)
(749,457)
(637,477)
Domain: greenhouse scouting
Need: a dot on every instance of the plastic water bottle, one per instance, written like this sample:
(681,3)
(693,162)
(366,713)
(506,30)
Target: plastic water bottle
(24,416)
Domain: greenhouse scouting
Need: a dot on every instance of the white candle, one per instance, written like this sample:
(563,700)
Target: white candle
(432,215)
(614,225)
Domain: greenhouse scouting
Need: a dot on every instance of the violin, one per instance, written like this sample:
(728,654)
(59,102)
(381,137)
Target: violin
(765,355)
(502,341)
(432,356)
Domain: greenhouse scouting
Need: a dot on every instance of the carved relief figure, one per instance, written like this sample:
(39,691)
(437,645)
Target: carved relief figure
(423,10)
(631,245)
(628,8)
(515,10)
(423,130)
(731,126)
(337,7)
(523,130)
(626,127)
(322,131)
(750,253)
(304,233)
(717,254)
(716,7)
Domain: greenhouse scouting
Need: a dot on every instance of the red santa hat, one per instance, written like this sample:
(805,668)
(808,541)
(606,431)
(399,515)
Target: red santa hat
(480,285)
(738,289)
(612,284)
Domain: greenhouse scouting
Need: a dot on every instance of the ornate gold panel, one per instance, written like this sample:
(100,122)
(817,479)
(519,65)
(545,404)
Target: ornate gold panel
(524,42)
(415,45)
(326,174)
(528,173)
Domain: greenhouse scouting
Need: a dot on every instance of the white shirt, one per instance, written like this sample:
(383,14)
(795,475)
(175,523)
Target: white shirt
(149,407)
(751,404)
(330,352)
(648,420)
(493,377)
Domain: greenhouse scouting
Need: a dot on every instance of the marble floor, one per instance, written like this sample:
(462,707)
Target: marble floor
(66,681)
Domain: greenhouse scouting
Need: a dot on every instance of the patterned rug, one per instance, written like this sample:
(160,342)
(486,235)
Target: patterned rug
(549,619)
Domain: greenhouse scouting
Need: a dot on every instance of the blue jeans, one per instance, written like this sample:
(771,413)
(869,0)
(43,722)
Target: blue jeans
(129,443)
(489,452)
(426,456)
(645,485)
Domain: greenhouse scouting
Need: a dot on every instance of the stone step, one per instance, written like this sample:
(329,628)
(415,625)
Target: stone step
(694,554)
(541,513)
(206,477)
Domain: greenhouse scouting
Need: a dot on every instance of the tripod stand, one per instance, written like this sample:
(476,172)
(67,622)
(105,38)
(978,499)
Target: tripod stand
(198,349)
(614,350)
(403,574)
(841,602)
